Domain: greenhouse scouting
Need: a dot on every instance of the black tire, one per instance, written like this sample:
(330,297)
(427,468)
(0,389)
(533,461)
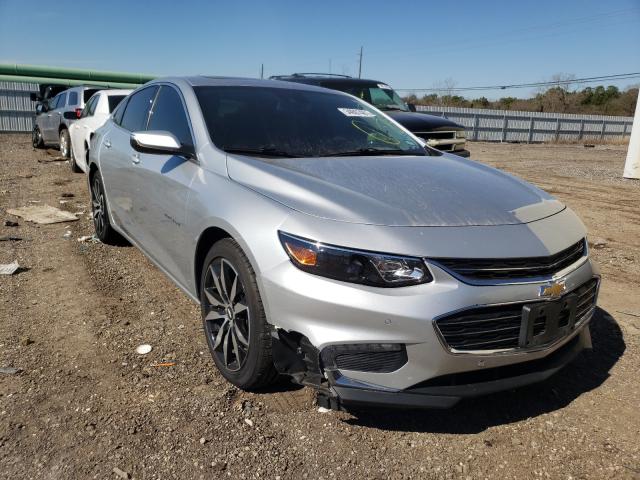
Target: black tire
(248,367)
(100,212)
(65,143)
(36,138)
(72,160)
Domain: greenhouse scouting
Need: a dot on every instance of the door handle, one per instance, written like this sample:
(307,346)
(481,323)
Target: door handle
(48,115)
(135,158)
(107,144)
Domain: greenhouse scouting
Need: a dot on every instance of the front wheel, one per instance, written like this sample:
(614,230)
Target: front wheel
(100,212)
(234,320)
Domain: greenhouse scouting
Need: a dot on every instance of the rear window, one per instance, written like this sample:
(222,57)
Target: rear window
(89,93)
(73,98)
(114,101)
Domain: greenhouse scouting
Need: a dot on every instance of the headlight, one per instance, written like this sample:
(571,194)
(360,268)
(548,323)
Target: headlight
(354,266)
(461,134)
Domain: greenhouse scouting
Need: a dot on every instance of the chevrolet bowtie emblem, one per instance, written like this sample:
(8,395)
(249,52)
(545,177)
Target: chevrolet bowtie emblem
(553,289)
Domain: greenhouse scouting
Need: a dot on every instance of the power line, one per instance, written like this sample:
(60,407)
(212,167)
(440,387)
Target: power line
(620,76)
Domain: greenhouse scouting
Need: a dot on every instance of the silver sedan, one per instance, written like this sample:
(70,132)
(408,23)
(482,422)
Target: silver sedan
(326,242)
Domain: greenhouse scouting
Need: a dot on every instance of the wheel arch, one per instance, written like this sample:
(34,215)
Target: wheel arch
(206,240)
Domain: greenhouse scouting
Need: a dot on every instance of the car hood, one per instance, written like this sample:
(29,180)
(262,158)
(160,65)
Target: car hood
(422,122)
(395,190)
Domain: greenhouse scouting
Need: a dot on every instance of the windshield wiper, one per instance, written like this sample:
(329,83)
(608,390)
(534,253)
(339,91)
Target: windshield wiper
(372,152)
(267,151)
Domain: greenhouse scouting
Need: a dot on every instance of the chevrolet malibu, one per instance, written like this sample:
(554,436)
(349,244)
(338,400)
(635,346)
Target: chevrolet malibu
(325,242)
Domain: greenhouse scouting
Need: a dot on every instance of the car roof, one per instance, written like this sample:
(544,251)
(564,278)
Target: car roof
(326,79)
(116,91)
(204,80)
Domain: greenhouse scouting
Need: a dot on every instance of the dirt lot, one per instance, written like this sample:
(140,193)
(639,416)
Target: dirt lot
(85,403)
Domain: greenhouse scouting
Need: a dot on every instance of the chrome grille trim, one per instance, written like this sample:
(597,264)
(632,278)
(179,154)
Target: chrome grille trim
(505,318)
(500,271)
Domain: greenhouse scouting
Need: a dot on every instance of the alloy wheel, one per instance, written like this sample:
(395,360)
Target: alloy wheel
(98,206)
(227,316)
(64,148)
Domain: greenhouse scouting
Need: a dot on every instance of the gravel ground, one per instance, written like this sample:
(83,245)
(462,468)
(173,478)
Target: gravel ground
(85,405)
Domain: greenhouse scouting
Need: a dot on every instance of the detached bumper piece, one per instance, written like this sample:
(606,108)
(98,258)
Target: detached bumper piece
(446,391)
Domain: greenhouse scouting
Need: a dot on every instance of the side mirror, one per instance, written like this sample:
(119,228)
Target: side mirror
(39,109)
(412,106)
(160,142)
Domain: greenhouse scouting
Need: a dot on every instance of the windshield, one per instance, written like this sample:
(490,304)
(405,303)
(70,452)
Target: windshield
(380,96)
(298,123)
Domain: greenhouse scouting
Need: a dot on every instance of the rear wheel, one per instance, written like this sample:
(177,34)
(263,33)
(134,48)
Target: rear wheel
(64,143)
(100,212)
(234,320)
(36,138)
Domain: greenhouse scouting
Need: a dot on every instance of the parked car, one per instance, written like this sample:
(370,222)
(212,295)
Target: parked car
(93,115)
(324,241)
(440,133)
(53,117)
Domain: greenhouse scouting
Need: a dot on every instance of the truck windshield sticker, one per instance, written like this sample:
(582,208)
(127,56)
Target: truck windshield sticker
(356,112)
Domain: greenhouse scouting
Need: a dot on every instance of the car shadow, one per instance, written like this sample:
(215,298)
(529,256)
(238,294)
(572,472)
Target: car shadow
(588,371)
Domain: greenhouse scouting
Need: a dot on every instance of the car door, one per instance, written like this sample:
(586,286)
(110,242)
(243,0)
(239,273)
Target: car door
(159,208)
(79,131)
(52,119)
(117,158)
(57,116)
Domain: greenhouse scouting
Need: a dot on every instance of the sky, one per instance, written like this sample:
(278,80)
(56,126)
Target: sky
(409,45)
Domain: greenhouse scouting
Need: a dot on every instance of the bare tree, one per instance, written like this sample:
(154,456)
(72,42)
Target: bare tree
(445,89)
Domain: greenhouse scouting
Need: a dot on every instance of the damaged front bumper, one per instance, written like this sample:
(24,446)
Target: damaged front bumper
(294,355)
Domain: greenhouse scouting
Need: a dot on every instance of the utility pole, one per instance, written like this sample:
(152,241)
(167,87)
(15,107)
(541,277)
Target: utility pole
(632,165)
(262,71)
(360,64)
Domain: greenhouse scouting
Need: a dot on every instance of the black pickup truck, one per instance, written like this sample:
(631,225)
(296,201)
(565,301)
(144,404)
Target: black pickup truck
(438,132)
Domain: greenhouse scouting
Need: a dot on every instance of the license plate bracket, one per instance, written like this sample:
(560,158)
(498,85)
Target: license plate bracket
(544,322)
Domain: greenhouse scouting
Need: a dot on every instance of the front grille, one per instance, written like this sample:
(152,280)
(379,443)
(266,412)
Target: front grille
(438,135)
(441,138)
(498,327)
(510,268)
(378,358)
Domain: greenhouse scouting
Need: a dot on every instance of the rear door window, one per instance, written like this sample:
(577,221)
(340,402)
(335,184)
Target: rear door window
(62,98)
(136,112)
(87,112)
(94,103)
(73,99)
(168,114)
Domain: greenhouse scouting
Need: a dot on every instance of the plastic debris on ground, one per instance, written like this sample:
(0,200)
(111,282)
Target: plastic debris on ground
(9,268)
(89,238)
(143,349)
(10,238)
(10,370)
(42,214)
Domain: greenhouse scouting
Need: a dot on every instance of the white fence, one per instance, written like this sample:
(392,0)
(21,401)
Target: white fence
(517,126)
(17,111)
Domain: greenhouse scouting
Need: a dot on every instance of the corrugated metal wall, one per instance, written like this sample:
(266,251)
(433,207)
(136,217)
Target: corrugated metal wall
(516,126)
(17,111)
